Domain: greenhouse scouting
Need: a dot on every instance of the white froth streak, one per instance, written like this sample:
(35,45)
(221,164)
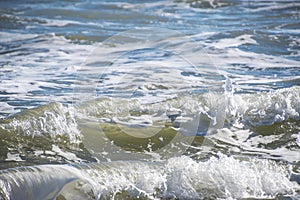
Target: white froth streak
(275,6)
(234,42)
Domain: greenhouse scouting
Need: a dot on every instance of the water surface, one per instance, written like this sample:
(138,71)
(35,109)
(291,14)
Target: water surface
(152,100)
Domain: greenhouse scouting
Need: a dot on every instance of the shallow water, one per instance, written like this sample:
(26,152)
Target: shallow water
(153,100)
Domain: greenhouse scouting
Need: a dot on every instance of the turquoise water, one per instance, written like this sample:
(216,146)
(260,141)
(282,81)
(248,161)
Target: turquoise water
(149,100)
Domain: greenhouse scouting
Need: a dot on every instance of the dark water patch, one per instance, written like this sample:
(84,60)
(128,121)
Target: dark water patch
(286,132)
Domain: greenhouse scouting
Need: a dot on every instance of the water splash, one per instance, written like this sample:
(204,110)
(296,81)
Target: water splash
(53,120)
(179,177)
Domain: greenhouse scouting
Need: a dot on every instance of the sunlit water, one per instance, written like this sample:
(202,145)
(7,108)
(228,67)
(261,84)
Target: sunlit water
(150,100)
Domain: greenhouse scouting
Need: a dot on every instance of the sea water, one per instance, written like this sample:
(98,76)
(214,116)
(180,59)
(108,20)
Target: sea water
(162,99)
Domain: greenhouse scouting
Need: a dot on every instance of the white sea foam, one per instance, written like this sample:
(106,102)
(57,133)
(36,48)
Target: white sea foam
(67,155)
(178,177)
(6,108)
(234,42)
(274,106)
(9,37)
(13,157)
(52,67)
(243,142)
(52,121)
(297,136)
(265,108)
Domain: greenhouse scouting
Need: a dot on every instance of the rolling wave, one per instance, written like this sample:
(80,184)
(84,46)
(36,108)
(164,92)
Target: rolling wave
(179,177)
